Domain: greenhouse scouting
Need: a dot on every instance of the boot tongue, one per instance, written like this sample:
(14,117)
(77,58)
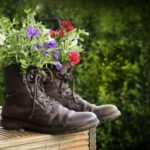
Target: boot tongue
(65,67)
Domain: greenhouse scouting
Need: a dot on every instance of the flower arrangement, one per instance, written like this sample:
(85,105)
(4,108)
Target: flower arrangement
(30,43)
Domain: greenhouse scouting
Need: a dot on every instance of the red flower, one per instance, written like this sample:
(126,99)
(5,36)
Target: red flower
(74,58)
(52,33)
(60,33)
(67,26)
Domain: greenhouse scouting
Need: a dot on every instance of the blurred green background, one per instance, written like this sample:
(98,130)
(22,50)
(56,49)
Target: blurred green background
(115,67)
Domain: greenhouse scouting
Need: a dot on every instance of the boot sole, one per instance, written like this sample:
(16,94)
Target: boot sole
(110,117)
(12,124)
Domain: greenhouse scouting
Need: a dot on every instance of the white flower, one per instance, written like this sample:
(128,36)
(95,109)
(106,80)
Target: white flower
(51,39)
(8,46)
(2,39)
(45,31)
(74,43)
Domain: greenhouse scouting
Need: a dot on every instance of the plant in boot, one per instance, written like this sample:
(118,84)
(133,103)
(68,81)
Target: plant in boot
(28,42)
(27,106)
(58,88)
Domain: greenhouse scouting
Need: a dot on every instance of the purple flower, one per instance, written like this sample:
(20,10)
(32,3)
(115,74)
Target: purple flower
(58,65)
(50,44)
(55,54)
(32,32)
(37,46)
(46,52)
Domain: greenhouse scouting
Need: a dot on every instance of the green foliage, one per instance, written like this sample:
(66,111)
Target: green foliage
(115,66)
(18,47)
(18,40)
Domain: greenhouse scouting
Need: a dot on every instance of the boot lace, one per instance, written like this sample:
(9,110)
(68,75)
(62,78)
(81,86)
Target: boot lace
(37,76)
(64,78)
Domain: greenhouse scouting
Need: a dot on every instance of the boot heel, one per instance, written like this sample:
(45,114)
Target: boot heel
(11,124)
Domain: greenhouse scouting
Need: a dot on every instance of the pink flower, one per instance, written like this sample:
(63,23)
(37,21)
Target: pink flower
(74,58)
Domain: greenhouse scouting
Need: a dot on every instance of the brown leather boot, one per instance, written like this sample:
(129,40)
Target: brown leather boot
(26,106)
(56,88)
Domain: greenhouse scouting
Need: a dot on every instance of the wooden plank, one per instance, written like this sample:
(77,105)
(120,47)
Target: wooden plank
(46,146)
(92,139)
(74,144)
(38,138)
(49,148)
(58,148)
(52,142)
(23,137)
(79,148)
(86,147)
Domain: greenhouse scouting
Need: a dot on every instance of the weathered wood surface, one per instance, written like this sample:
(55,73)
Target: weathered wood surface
(27,140)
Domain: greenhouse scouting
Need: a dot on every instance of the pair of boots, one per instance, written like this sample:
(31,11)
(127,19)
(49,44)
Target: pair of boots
(42,103)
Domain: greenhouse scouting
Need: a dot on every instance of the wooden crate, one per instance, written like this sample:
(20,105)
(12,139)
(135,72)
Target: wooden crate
(27,140)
